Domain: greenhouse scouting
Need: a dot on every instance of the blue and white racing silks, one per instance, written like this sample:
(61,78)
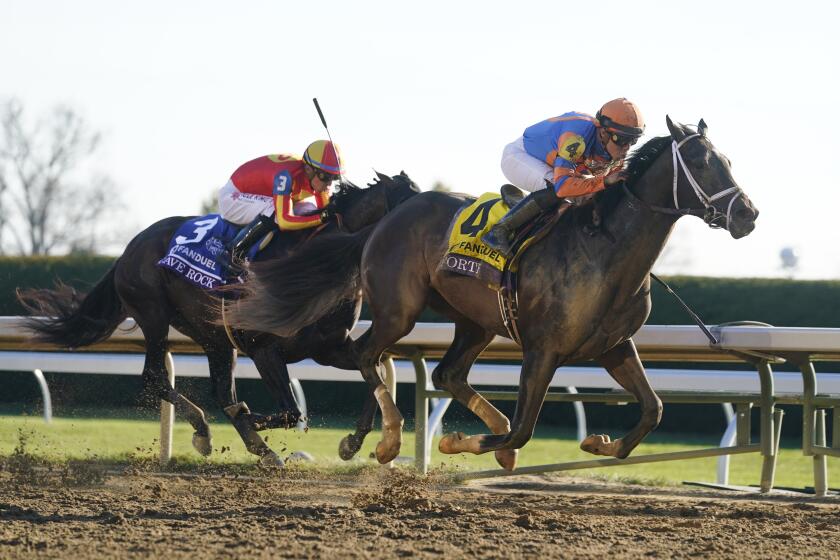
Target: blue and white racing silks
(569,143)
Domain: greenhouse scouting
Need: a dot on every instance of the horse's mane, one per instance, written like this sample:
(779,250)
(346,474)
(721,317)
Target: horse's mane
(344,195)
(348,193)
(637,163)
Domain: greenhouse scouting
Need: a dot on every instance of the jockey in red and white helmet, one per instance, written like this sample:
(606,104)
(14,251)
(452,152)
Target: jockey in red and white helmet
(273,188)
(575,154)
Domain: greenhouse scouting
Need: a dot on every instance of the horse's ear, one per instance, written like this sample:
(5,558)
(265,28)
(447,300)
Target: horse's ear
(701,127)
(676,129)
(382,176)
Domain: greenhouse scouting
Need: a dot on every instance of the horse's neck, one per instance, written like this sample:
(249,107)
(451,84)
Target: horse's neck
(640,234)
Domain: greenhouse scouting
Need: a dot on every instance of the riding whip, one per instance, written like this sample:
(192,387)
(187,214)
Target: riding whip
(324,122)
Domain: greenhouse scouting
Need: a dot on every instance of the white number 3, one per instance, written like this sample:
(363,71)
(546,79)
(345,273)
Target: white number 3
(200,232)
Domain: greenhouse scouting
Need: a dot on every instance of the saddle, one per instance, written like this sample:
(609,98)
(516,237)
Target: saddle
(469,256)
(195,249)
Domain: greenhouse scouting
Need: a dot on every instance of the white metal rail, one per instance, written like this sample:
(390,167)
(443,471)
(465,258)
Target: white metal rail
(761,346)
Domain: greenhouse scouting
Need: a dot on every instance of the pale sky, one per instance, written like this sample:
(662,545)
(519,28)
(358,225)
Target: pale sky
(185,92)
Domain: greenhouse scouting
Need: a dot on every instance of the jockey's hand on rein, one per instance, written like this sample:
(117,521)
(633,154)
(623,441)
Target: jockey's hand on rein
(327,214)
(616,178)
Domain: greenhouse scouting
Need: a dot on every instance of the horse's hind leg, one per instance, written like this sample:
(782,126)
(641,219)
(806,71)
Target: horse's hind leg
(397,293)
(221,377)
(623,364)
(537,371)
(371,345)
(156,380)
(351,443)
(391,322)
(451,375)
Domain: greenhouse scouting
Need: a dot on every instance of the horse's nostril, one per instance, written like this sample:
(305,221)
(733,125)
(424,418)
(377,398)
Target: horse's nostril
(746,214)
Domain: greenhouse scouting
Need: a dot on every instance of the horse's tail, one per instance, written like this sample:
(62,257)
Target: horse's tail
(71,320)
(283,296)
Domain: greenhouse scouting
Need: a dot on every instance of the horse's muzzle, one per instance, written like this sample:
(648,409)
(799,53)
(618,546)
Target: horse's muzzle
(743,218)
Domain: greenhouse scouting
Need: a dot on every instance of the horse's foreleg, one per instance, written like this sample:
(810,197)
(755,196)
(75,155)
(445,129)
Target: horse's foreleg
(623,364)
(451,375)
(537,370)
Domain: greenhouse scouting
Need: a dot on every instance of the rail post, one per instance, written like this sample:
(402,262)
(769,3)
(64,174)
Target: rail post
(422,448)
(167,416)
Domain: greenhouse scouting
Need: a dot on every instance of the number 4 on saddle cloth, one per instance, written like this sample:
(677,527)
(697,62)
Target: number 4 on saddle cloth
(467,254)
(196,249)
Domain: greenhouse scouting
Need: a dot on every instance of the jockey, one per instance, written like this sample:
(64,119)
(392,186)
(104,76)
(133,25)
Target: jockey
(275,186)
(576,155)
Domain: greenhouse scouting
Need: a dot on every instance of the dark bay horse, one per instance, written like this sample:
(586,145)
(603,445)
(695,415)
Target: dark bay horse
(581,296)
(156,299)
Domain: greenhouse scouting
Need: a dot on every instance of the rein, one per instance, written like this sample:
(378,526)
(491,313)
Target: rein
(710,215)
(690,311)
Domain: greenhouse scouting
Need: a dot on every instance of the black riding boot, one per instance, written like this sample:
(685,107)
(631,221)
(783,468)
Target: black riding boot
(245,239)
(501,235)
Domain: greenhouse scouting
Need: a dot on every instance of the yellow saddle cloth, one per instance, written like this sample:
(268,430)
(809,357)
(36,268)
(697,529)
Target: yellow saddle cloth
(466,254)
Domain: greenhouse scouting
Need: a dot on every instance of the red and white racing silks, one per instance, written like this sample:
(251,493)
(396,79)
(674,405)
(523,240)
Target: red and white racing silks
(270,185)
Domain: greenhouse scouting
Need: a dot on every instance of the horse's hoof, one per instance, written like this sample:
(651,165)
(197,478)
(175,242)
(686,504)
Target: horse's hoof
(271,459)
(449,443)
(507,458)
(385,453)
(348,447)
(599,445)
(202,444)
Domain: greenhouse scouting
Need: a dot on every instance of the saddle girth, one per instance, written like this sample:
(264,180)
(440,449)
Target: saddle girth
(508,291)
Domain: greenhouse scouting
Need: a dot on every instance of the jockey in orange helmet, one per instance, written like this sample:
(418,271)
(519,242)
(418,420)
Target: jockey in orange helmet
(575,154)
(273,188)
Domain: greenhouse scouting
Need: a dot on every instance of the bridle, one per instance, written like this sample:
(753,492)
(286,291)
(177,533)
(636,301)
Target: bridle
(711,215)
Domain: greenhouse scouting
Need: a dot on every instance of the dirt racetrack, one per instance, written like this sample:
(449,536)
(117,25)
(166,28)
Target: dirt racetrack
(396,514)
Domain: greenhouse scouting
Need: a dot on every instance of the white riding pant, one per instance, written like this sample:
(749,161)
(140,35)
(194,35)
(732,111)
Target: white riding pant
(524,170)
(241,208)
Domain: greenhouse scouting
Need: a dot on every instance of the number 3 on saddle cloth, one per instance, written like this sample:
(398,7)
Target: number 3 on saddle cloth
(467,254)
(196,247)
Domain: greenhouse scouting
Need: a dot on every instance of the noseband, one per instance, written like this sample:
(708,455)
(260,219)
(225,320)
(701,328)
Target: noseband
(710,215)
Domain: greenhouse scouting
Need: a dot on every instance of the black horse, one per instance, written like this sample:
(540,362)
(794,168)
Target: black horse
(156,299)
(581,296)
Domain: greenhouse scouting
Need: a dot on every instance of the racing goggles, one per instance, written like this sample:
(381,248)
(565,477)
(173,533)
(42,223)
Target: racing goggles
(623,140)
(325,177)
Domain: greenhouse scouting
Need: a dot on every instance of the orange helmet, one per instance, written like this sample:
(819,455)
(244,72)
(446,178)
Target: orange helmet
(621,117)
(323,155)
